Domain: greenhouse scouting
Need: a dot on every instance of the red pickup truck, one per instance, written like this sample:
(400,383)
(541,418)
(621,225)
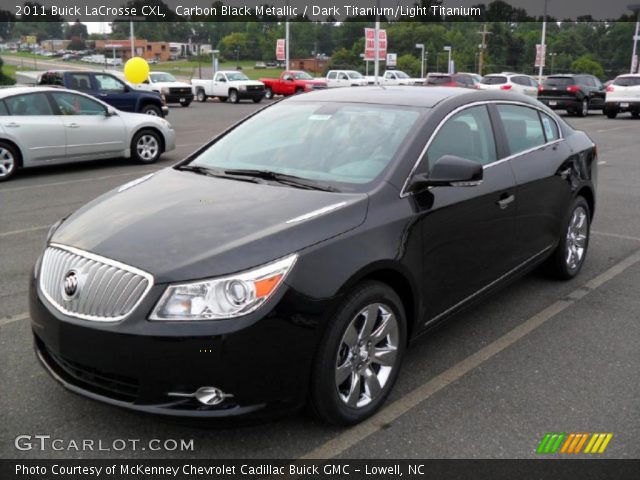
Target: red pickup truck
(290,83)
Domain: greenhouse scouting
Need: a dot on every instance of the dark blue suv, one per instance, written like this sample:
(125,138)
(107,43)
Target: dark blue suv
(108,88)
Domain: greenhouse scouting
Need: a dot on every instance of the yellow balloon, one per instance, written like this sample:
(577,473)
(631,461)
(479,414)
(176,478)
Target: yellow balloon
(136,70)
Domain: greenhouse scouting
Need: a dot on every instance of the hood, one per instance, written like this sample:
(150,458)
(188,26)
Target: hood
(171,84)
(179,225)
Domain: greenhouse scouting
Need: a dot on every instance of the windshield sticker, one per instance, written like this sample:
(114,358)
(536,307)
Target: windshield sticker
(547,128)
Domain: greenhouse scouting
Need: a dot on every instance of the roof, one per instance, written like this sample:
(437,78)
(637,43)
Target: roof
(414,96)
(9,91)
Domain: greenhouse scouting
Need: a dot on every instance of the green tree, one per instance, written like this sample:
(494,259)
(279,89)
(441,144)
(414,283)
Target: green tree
(5,79)
(586,64)
(409,64)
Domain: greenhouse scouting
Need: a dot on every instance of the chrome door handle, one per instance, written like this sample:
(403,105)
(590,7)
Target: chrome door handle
(73,125)
(12,125)
(505,202)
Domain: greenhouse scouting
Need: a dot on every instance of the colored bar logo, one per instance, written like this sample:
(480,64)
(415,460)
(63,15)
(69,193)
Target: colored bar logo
(573,443)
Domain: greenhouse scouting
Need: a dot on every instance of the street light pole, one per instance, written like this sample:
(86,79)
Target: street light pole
(543,44)
(448,49)
(376,46)
(421,47)
(133,51)
(634,57)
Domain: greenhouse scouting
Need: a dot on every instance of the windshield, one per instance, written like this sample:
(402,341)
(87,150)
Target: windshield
(627,81)
(494,80)
(336,143)
(302,76)
(354,74)
(438,79)
(236,76)
(162,77)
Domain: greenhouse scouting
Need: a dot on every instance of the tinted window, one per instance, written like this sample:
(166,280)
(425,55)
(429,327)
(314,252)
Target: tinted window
(341,143)
(51,79)
(627,81)
(332,75)
(79,81)
(522,126)
(524,81)
(438,79)
(588,81)
(71,104)
(550,127)
(467,134)
(109,83)
(558,82)
(3,109)
(494,80)
(30,104)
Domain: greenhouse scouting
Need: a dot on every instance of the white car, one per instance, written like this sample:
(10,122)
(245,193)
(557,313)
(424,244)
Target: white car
(345,78)
(396,77)
(166,85)
(511,82)
(623,95)
(228,85)
(46,126)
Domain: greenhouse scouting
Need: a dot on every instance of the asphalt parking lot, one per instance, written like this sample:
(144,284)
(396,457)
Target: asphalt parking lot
(541,356)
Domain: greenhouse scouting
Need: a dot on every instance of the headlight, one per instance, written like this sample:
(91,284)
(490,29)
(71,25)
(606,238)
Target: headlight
(164,90)
(226,297)
(53,229)
(242,88)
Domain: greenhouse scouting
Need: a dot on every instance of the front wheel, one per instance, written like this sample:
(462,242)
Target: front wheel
(268,93)
(146,146)
(612,114)
(635,114)
(233,96)
(360,356)
(567,260)
(151,110)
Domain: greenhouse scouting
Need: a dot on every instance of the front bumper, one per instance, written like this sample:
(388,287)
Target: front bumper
(622,106)
(179,98)
(136,364)
(165,110)
(561,103)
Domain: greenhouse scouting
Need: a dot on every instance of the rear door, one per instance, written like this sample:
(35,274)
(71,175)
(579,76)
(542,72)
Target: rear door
(90,132)
(540,160)
(468,231)
(34,127)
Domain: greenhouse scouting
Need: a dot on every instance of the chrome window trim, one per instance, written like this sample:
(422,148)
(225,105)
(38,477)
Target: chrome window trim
(106,261)
(404,193)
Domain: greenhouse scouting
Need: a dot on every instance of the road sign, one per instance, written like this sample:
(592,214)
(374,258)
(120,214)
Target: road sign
(541,53)
(392,59)
(370,44)
(280,49)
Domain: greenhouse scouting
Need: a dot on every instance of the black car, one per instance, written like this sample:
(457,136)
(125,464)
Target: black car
(577,94)
(108,88)
(291,259)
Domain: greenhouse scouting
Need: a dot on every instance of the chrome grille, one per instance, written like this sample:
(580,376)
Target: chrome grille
(179,90)
(107,291)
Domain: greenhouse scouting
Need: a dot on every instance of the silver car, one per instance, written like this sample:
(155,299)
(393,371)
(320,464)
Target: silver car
(46,126)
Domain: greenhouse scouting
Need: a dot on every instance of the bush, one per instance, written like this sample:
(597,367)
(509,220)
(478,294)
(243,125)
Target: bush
(4,79)
(586,64)
(410,65)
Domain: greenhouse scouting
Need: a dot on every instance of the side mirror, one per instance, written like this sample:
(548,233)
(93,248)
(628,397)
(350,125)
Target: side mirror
(110,112)
(448,171)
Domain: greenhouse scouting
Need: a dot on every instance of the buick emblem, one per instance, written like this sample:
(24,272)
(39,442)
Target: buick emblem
(71,284)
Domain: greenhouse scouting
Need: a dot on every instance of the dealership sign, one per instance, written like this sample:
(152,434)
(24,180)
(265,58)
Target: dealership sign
(541,52)
(280,47)
(370,44)
(392,59)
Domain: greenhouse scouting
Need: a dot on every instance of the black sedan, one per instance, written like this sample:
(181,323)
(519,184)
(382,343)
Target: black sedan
(292,259)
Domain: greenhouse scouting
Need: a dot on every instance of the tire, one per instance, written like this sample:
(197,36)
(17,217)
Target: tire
(568,258)
(611,114)
(268,93)
(233,96)
(635,114)
(348,384)
(299,91)
(9,161)
(201,96)
(151,110)
(257,100)
(584,110)
(186,103)
(146,146)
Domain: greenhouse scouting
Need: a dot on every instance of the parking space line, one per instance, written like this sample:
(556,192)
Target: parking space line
(13,318)
(79,180)
(616,128)
(382,419)
(616,235)
(24,230)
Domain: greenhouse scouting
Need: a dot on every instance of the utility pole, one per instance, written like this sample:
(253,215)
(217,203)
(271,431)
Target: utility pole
(376,63)
(133,40)
(634,57)
(286,40)
(483,46)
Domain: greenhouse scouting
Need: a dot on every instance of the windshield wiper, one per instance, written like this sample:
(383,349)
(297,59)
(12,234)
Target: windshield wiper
(211,172)
(282,178)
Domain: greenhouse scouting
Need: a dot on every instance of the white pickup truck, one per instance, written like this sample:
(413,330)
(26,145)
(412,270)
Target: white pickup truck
(345,78)
(396,77)
(228,85)
(167,85)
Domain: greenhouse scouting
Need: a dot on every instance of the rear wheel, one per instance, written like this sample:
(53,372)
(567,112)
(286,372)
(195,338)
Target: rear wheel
(635,114)
(567,260)
(268,93)
(612,113)
(257,100)
(201,96)
(360,356)
(584,109)
(9,161)
(146,146)
(151,110)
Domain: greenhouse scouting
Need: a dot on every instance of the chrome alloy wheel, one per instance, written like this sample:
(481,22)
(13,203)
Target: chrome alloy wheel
(7,162)
(147,147)
(367,355)
(577,233)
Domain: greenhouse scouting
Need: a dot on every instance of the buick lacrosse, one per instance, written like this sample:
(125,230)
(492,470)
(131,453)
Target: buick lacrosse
(291,260)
